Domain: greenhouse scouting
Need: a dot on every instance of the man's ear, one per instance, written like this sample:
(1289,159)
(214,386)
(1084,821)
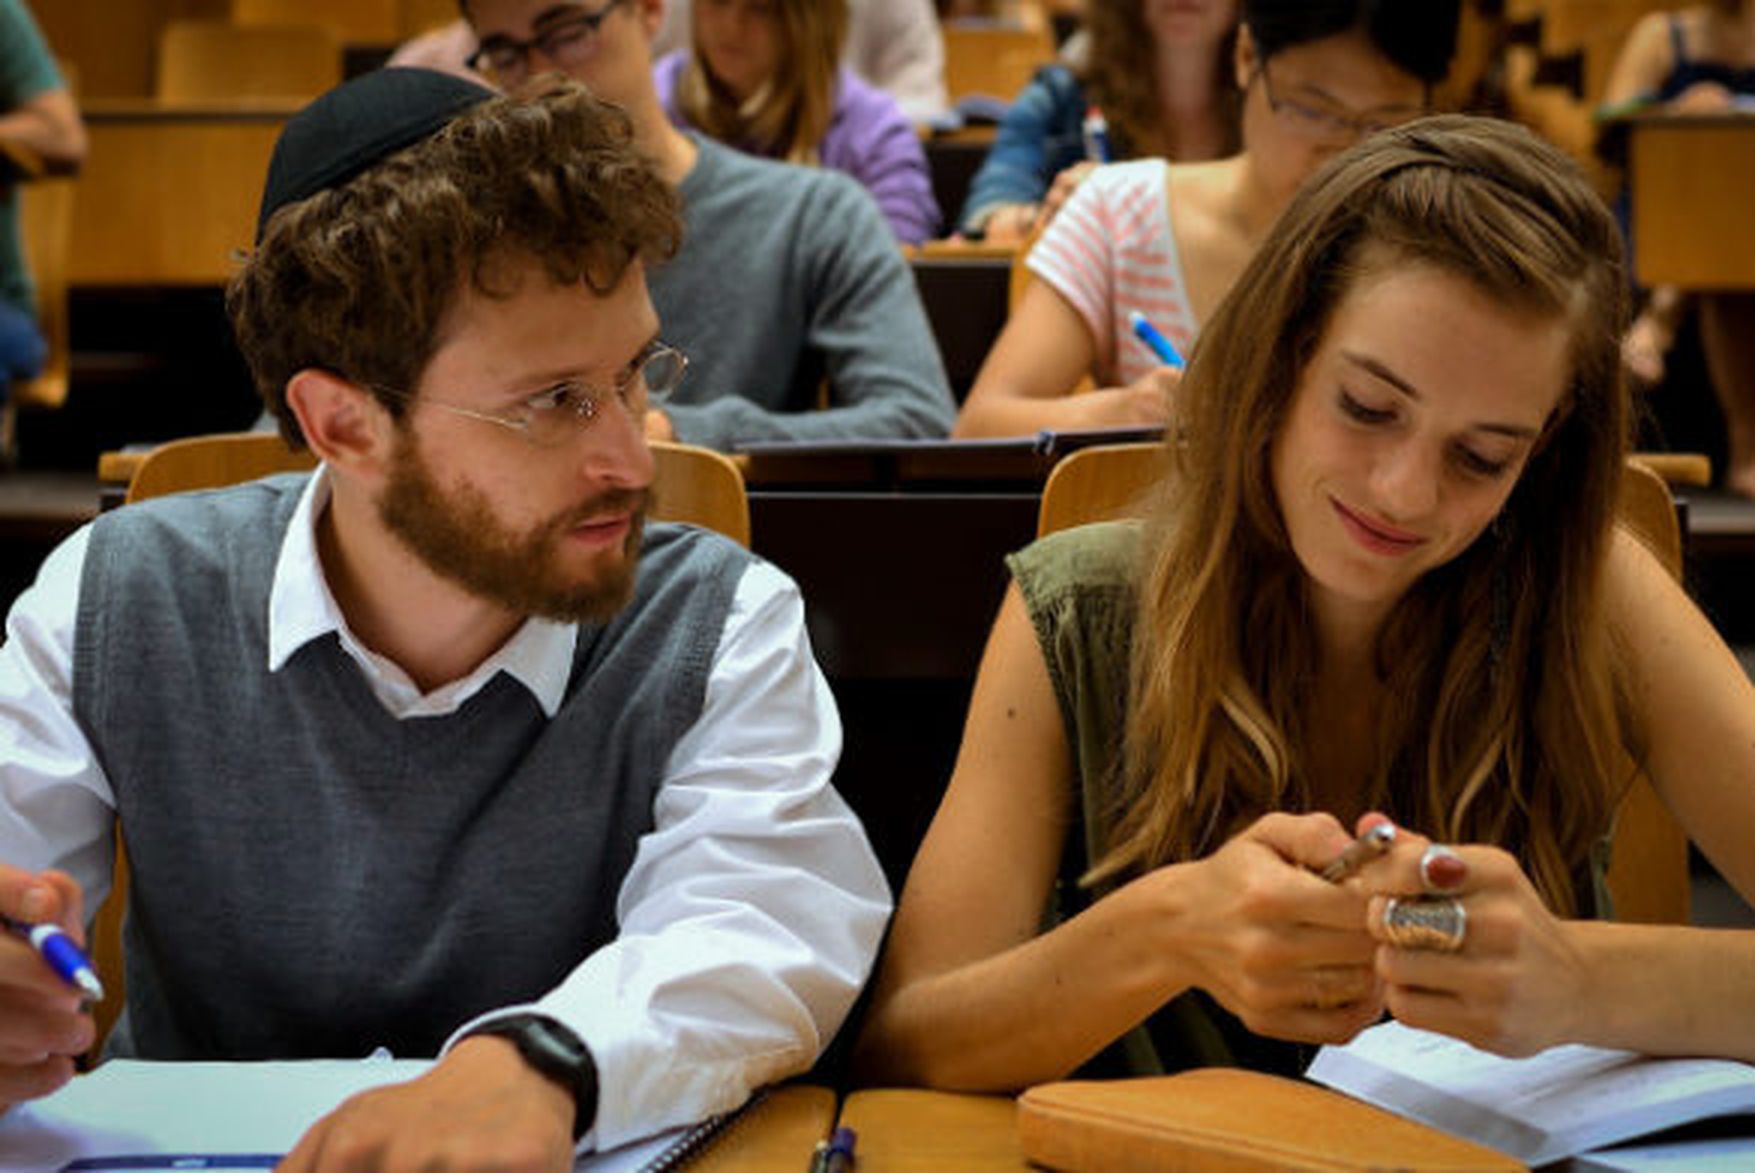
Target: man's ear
(345,426)
(1244,59)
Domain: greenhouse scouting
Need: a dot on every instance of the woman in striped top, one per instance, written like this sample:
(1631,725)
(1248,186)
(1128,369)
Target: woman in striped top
(1169,241)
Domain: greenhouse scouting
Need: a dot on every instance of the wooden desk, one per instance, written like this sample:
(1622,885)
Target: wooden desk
(1693,186)
(777,1134)
(926,1132)
(167,195)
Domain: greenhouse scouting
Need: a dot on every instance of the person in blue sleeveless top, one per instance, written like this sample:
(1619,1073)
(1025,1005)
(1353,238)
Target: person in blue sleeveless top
(442,748)
(1698,60)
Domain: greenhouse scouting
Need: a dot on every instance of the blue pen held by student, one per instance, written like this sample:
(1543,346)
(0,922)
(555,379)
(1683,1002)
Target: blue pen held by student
(1154,338)
(64,957)
(1096,131)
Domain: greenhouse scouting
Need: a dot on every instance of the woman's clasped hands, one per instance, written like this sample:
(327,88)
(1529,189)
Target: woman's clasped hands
(1281,948)
(1448,939)
(1465,946)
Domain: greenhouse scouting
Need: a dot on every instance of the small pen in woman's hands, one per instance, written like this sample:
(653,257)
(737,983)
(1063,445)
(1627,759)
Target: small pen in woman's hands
(1368,846)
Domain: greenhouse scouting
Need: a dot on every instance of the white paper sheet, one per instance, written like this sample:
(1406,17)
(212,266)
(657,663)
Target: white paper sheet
(1564,1101)
(127,1107)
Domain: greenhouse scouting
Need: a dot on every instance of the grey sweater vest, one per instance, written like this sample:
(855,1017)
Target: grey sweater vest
(311,876)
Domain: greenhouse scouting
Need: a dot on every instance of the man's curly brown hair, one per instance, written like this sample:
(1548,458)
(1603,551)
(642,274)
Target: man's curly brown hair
(358,279)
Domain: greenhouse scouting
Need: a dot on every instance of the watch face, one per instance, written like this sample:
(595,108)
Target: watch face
(555,1052)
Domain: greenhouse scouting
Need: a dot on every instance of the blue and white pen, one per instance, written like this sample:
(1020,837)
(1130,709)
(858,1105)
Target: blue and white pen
(1096,134)
(1154,338)
(64,957)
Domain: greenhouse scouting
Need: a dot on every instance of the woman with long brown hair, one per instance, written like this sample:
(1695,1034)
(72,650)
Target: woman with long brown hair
(765,76)
(1158,72)
(1381,579)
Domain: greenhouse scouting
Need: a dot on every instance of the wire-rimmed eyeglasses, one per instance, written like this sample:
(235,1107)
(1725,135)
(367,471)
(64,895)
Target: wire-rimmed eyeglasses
(566,40)
(557,413)
(1329,125)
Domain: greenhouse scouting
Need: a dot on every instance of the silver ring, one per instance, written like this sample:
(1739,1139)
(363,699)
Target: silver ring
(1425,923)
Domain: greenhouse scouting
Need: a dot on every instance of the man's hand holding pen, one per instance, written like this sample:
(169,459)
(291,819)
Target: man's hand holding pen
(43,1022)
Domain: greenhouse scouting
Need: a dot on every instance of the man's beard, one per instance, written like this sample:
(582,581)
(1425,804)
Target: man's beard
(458,536)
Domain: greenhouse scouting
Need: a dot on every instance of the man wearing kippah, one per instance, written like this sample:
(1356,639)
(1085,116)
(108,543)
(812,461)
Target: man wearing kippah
(789,279)
(441,748)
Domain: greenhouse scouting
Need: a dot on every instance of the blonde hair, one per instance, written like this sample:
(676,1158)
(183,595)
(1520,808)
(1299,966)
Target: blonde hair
(789,115)
(1503,723)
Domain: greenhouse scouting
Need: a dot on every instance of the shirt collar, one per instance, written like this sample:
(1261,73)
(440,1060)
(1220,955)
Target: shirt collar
(301,608)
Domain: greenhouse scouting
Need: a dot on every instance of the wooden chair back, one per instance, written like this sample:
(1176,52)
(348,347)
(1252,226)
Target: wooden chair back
(1099,483)
(1648,876)
(209,462)
(702,487)
(206,61)
(694,485)
(1648,872)
(994,60)
(372,22)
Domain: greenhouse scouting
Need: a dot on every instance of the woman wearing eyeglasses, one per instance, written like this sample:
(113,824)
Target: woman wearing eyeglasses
(765,76)
(1168,241)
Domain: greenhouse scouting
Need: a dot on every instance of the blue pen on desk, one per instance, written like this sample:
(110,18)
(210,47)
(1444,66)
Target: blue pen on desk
(841,1151)
(1154,338)
(1096,132)
(64,957)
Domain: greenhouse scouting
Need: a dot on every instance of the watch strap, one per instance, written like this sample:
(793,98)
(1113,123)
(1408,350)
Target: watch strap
(555,1052)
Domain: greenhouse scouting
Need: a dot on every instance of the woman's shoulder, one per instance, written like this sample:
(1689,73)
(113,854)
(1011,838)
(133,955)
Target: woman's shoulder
(1085,559)
(1127,193)
(862,109)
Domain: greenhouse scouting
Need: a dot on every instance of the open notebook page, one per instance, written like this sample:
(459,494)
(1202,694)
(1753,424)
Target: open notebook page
(1564,1101)
(128,1107)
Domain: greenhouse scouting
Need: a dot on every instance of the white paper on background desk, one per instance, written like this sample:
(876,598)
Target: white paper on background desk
(133,1107)
(1559,1103)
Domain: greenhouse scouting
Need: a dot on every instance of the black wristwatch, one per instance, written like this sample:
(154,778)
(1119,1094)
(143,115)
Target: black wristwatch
(555,1052)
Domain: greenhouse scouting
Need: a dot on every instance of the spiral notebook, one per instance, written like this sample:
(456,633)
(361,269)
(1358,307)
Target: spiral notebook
(668,1151)
(130,1114)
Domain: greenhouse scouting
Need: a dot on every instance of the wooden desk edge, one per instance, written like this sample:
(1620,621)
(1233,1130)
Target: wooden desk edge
(778,1133)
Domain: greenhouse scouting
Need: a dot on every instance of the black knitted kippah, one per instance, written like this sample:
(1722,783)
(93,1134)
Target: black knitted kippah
(356,125)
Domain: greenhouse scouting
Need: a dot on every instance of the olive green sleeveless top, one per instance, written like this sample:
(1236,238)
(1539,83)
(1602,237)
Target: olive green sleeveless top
(1080,589)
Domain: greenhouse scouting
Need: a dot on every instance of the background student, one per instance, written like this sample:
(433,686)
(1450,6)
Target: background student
(38,117)
(1169,240)
(1382,575)
(446,750)
(1162,77)
(895,45)
(1698,60)
(764,76)
(809,300)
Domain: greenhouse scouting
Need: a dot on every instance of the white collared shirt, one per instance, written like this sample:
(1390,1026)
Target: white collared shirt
(750,916)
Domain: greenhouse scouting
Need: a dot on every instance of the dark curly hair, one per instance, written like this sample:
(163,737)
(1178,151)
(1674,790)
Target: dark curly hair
(358,278)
